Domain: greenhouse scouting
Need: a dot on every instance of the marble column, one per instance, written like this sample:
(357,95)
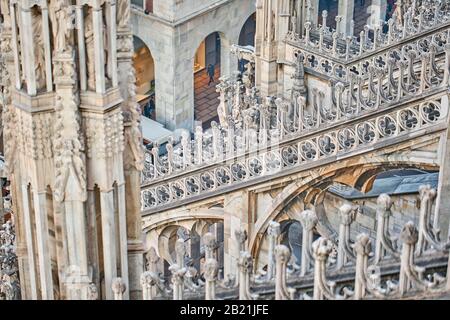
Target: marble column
(45,267)
(123,240)
(29,241)
(442,209)
(268,76)
(312,11)
(379,8)
(77,270)
(111,31)
(135,248)
(81,48)
(345,10)
(92,232)
(228,62)
(21,241)
(108,241)
(259,37)
(236,218)
(47,49)
(15,47)
(99,53)
(267,61)
(28,50)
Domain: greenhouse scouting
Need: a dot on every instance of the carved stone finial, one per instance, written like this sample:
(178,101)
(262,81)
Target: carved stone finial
(409,234)
(92,292)
(425,191)
(209,240)
(185,135)
(348,213)
(282,253)
(198,131)
(339,86)
(241,236)
(178,274)
(152,256)
(384,202)
(308,219)
(308,25)
(245,262)
(322,248)
(274,229)
(148,279)
(118,286)
(363,244)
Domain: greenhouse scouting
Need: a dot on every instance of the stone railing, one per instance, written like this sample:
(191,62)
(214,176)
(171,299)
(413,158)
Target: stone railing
(384,267)
(339,70)
(263,137)
(424,18)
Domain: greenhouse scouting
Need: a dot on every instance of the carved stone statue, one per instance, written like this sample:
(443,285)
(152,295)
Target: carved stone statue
(123,13)
(106,49)
(222,108)
(73,176)
(272,27)
(90,50)
(221,111)
(299,86)
(59,18)
(266,24)
(39,51)
(294,22)
(236,107)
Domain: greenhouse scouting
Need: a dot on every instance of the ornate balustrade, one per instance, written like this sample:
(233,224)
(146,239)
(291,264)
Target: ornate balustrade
(262,137)
(340,69)
(410,264)
(425,19)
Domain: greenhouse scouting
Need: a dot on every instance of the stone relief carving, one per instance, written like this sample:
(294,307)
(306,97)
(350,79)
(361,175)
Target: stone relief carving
(104,139)
(71,177)
(70,172)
